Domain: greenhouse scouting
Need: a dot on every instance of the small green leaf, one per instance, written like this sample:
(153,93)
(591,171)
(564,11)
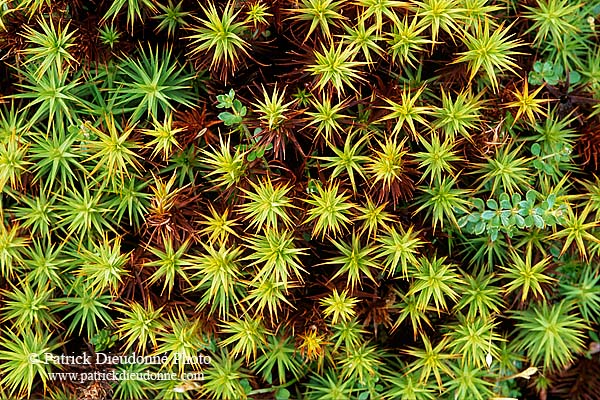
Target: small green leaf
(282,394)
(463,221)
(531,197)
(491,203)
(558,71)
(479,204)
(516,198)
(495,221)
(535,78)
(237,105)
(509,121)
(524,207)
(538,164)
(229,119)
(506,217)
(493,235)
(244,383)
(488,215)
(474,217)
(539,221)
(480,228)
(552,80)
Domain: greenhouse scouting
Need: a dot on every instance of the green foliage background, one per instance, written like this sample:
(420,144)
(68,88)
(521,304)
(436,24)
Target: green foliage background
(367,199)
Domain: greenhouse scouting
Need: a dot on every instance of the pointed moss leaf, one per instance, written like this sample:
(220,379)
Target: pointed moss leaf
(548,68)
